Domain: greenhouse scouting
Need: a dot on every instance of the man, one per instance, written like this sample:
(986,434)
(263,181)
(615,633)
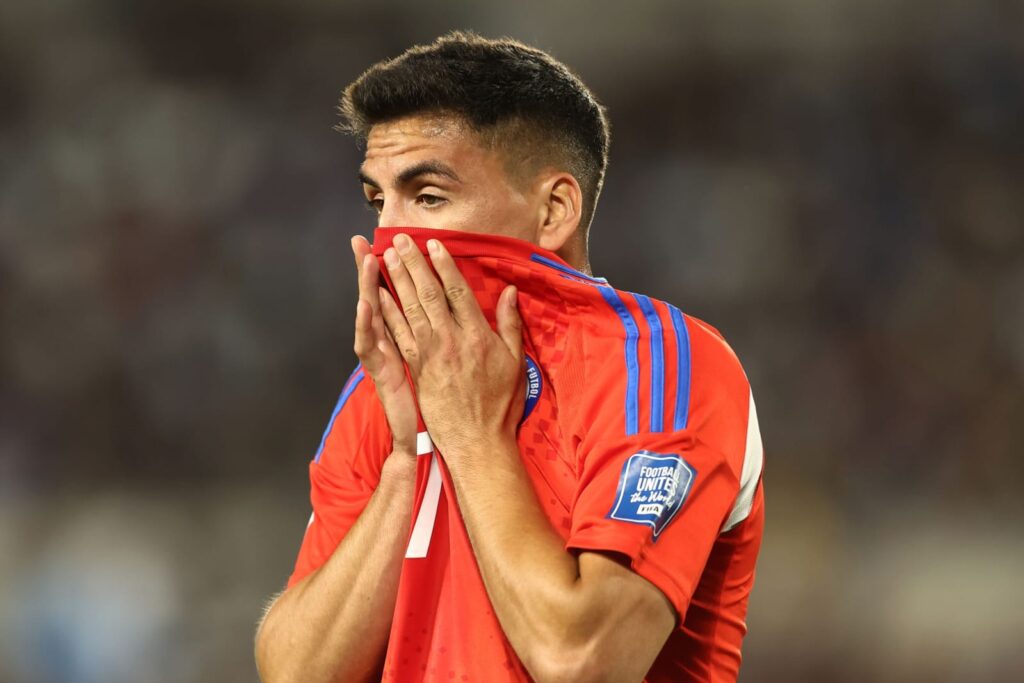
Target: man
(597,519)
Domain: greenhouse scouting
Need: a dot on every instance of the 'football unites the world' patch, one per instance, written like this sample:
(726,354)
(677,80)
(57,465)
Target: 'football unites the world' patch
(652,488)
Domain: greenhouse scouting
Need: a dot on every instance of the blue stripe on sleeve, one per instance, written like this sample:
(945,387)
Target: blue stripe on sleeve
(632,363)
(682,411)
(350,386)
(657,362)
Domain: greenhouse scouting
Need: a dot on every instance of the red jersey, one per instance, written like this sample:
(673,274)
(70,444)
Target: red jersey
(639,436)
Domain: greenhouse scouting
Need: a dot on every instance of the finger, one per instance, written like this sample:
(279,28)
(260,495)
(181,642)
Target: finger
(464,306)
(369,282)
(383,335)
(365,344)
(510,325)
(380,328)
(399,328)
(415,314)
(366,278)
(428,289)
(388,346)
(360,248)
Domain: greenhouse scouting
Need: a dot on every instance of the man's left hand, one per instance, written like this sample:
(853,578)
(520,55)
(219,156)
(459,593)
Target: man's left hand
(468,378)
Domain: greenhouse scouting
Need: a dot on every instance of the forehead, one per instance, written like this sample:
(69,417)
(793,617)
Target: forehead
(432,134)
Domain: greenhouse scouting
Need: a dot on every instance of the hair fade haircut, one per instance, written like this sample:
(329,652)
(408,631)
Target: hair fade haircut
(515,96)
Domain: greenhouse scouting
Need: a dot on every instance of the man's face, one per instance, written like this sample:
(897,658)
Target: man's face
(432,172)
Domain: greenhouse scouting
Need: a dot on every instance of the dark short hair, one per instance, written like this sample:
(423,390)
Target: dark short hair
(511,93)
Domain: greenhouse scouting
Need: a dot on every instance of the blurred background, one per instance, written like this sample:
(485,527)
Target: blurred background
(838,185)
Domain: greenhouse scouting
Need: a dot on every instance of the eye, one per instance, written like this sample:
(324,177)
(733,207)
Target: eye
(376,203)
(430,200)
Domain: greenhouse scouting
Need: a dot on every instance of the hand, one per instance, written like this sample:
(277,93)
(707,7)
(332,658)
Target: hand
(468,379)
(378,354)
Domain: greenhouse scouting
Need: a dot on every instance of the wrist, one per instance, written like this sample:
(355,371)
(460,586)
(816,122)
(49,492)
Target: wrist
(480,449)
(399,466)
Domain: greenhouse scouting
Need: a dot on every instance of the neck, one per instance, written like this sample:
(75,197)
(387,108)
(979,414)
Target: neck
(575,253)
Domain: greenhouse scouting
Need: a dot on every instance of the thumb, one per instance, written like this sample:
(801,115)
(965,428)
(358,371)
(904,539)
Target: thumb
(510,325)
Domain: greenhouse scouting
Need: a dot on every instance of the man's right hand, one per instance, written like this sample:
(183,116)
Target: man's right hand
(379,355)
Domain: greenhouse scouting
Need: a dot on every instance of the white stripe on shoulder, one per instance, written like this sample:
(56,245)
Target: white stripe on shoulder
(753,461)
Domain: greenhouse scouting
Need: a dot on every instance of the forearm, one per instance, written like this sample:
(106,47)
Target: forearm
(532,581)
(333,626)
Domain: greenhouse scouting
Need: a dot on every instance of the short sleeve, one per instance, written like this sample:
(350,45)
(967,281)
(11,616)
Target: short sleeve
(660,489)
(659,501)
(344,472)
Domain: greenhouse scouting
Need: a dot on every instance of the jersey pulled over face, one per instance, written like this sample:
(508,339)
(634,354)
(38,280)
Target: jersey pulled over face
(639,436)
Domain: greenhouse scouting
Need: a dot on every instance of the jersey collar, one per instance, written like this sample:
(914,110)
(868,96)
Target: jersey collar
(470,244)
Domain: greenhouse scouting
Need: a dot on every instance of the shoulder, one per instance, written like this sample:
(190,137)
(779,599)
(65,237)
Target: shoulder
(666,366)
(350,394)
(356,429)
(714,365)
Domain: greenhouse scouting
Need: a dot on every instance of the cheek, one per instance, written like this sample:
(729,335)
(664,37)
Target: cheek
(438,220)
(508,212)
(494,210)
(467,213)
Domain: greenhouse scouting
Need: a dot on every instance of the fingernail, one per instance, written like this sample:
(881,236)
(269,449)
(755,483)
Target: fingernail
(434,247)
(514,298)
(403,243)
(390,258)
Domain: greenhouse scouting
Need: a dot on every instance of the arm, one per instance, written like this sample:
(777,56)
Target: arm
(568,618)
(333,625)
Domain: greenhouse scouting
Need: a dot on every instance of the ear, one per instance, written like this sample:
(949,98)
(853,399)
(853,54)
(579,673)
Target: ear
(561,210)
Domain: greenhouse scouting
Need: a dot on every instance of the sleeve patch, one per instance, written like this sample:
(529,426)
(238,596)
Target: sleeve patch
(652,488)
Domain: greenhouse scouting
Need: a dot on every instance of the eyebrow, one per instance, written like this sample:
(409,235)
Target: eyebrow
(430,167)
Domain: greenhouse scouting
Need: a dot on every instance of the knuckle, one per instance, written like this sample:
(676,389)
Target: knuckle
(456,293)
(430,294)
(413,311)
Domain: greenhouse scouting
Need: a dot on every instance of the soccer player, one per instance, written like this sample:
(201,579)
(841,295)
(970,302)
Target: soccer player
(531,474)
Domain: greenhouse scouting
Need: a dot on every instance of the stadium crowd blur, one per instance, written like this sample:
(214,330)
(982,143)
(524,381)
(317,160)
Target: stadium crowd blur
(838,186)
